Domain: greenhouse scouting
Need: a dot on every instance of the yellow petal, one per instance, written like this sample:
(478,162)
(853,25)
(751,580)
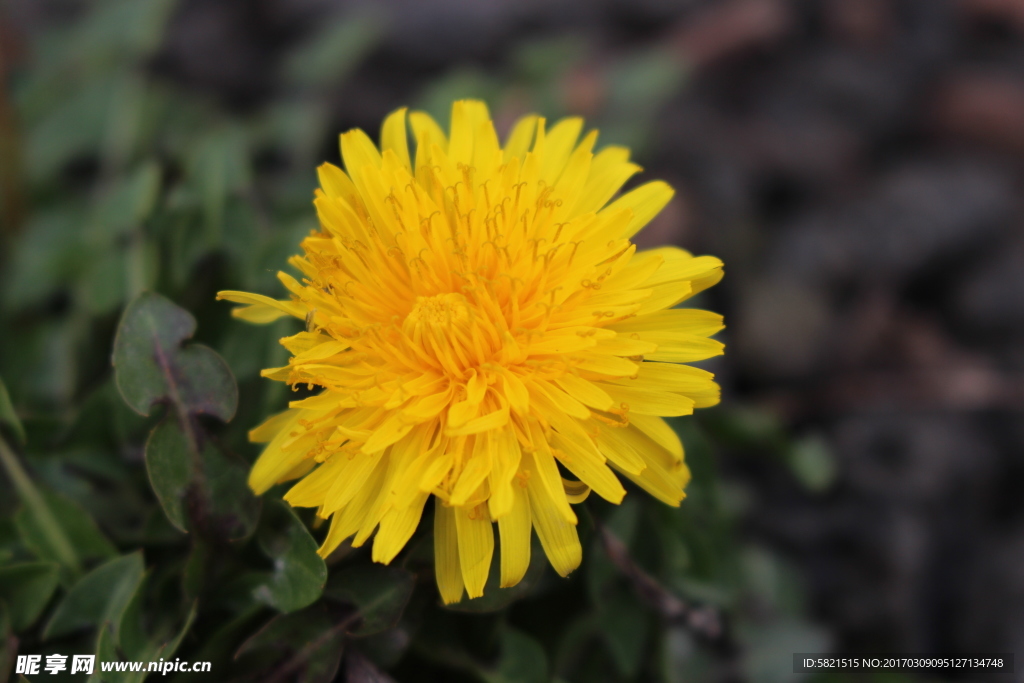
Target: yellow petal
(575,491)
(658,431)
(647,401)
(335,182)
(478,466)
(394,137)
(586,392)
(584,460)
(519,140)
(446,553)
(467,119)
(505,458)
(313,489)
(609,171)
(681,348)
(262,309)
(645,202)
(272,426)
(359,152)
(557,536)
(396,528)
(427,133)
(275,462)
(476,546)
(514,532)
(699,385)
(561,140)
(620,452)
(348,521)
(543,467)
(357,470)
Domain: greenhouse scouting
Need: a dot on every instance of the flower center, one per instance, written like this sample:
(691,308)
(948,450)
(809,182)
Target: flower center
(438,311)
(444,327)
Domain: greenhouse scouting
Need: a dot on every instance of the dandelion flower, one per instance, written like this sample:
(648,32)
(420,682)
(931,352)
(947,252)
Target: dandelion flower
(482,332)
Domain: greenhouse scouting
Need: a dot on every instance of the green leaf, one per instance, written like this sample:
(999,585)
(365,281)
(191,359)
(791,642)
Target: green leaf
(64,524)
(8,417)
(219,647)
(218,165)
(302,646)
(126,204)
(124,635)
(72,129)
(229,509)
(100,596)
(522,660)
(123,29)
(26,588)
(625,624)
(38,525)
(813,463)
(8,643)
(167,649)
(207,489)
(331,55)
(45,255)
(170,468)
(109,650)
(151,366)
(299,572)
(198,485)
(378,594)
(638,86)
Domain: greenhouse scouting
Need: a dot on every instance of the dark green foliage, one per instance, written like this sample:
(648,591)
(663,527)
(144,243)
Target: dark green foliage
(199,485)
(150,366)
(26,588)
(98,597)
(127,528)
(377,595)
(299,573)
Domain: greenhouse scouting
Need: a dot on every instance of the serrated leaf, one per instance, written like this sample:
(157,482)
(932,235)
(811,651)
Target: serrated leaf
(152,366)
(26,588)
(378,594)
(8,417)
(100,596)
(299,573)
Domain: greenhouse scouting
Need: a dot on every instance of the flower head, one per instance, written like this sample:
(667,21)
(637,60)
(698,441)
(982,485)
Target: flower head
(485,333)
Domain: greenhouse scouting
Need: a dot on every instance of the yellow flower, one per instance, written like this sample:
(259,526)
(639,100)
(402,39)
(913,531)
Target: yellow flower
(476,317)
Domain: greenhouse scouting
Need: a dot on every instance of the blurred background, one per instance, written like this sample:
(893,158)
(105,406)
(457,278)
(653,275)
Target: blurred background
(856,164)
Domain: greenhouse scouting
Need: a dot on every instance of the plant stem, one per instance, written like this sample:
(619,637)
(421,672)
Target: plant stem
(34,501)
